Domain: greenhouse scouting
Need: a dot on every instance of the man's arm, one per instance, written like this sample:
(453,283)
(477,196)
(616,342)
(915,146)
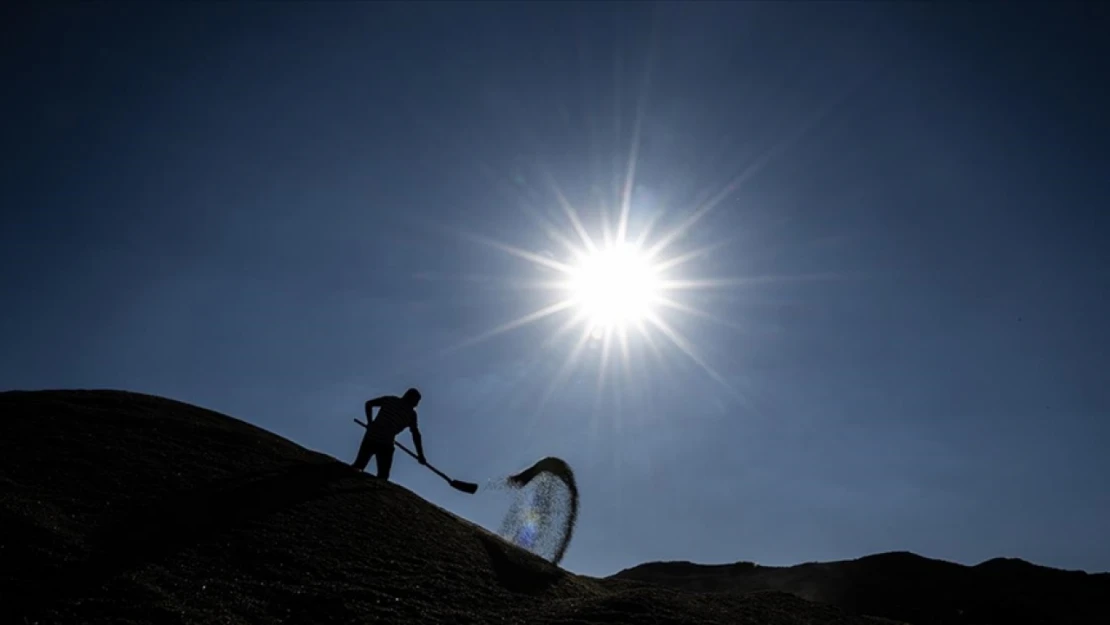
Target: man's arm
(370,405)
(418,443)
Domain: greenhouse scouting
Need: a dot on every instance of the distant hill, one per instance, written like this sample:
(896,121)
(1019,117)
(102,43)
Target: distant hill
(123,508)
(910,588)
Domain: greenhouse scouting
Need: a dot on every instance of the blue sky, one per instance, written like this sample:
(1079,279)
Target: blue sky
(278,211)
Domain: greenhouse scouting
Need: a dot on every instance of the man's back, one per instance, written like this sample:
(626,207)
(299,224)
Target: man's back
(394,415)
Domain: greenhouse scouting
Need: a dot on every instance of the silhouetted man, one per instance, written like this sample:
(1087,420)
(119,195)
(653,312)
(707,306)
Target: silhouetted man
(394,415)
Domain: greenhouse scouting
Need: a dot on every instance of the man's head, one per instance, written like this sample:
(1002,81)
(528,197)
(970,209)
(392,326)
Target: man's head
(412,396)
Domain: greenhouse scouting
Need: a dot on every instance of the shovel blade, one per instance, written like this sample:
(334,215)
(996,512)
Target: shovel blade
(467,487)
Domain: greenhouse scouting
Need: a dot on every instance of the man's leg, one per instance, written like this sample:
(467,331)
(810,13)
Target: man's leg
(385,459)
(365,450)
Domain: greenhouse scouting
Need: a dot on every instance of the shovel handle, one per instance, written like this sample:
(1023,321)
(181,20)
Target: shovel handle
(407,451)
(434,470)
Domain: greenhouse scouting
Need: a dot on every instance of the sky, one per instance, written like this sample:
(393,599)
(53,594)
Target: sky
(889,222)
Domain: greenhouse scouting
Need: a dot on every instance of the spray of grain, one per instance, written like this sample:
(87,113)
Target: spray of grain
(544,510)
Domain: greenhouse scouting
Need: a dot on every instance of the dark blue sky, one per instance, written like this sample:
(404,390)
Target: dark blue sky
(265,209)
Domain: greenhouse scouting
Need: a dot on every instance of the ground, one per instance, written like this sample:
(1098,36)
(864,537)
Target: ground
(119,507)
(910,588)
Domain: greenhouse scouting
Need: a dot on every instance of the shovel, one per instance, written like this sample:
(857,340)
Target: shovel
(466,487)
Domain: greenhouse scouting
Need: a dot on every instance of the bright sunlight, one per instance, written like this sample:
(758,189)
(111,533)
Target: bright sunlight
(619,286)
(614,288)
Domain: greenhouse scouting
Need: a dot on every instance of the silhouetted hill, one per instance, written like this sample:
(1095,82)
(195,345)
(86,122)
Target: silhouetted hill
(911,588)
(125,508)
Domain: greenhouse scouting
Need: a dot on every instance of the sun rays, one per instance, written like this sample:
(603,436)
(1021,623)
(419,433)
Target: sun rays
(629,283)
(612,290)
(634,283)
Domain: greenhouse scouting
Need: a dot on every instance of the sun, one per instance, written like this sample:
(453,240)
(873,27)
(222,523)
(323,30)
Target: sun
(614,287)
(618,288)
